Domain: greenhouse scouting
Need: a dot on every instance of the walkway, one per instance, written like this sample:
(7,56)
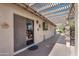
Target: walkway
(60,48)
(44,48)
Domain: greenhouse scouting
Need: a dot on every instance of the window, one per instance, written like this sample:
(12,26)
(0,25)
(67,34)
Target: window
(45,26)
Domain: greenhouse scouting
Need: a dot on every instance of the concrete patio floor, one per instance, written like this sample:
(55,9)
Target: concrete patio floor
(44,48)
(55,46)
(60,48)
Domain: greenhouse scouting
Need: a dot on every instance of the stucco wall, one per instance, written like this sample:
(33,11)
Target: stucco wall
(7,34)
(50,32)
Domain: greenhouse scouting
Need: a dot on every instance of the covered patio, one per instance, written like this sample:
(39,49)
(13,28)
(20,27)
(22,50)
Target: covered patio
(48,26)
(59,13)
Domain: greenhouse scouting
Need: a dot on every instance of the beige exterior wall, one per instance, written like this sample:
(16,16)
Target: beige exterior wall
(7,34)
(48,33)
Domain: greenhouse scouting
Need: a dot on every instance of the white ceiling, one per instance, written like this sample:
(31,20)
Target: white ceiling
(55,12)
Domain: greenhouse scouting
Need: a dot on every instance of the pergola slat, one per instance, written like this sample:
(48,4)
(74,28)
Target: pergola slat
(52,10)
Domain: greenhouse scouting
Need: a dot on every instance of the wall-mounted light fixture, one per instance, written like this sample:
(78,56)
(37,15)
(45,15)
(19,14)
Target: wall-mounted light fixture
(37,21)
(39,26)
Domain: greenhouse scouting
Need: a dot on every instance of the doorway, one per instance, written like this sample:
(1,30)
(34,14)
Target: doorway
(23,32)
(30,32)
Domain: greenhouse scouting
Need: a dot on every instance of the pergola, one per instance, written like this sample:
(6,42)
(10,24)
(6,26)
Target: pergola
(55,12)
(58,13)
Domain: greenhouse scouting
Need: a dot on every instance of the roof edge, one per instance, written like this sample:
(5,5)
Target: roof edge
(26,7)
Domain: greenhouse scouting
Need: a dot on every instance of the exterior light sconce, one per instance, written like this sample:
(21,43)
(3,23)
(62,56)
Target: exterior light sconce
(37,21)
(39,26)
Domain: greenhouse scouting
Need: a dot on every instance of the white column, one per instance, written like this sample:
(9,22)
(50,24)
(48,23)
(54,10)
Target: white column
(76,29)
(67,34)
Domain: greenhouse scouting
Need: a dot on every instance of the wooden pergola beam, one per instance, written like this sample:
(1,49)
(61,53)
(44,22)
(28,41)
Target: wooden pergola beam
(26,7)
